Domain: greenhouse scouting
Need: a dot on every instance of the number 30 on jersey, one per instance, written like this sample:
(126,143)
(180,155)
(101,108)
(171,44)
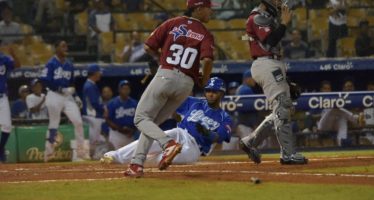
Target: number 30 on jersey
(181,56)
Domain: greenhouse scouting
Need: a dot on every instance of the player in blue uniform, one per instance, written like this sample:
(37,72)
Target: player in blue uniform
(120,116)
(93,107)
(7,64)
(58,77)
(204,123)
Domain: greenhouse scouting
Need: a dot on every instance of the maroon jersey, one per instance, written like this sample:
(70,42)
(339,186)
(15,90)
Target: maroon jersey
(258,34)
(184,42)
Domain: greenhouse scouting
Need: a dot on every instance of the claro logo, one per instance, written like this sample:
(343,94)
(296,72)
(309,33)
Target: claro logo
(368,101)
(231,103)
(322,102)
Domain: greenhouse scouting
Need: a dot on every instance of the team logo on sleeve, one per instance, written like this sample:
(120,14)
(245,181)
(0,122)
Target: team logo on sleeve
(182,31)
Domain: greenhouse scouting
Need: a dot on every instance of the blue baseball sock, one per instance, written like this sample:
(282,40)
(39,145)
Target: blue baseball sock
(52,135)
(4,139)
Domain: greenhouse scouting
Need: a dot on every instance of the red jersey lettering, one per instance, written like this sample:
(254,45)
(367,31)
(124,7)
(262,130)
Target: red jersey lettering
(184,42)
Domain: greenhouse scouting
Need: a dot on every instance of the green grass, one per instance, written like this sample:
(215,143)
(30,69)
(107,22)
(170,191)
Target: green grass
(179,189)
(345,170)
(325,154)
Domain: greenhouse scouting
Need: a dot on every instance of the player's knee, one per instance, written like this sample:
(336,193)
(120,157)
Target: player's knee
(283,108)
(78,123)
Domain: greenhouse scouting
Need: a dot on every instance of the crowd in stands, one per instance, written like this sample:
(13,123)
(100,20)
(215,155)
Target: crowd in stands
(117,28)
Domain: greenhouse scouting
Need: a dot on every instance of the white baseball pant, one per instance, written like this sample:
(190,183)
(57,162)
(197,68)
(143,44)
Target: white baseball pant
(57,103)
(5,118)
(189,155)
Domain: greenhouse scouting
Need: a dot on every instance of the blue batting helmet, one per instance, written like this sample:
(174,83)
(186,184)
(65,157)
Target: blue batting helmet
(216,84)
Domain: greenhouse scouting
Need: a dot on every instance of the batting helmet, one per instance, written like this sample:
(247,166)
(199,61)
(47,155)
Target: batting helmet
(216,84)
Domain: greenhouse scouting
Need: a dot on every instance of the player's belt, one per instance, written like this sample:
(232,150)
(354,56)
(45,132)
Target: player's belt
(176,69)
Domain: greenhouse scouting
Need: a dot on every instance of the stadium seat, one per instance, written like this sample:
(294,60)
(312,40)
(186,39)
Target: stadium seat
(237,23)
(357,13)
(26,29)
(300,21)
(346,47)
(32,39)
(318,14)
(370,20)
(216,24)
(106,43)
(60,5)
(40,53)
(143,21)
(81,23)
(318,28)
(124,23)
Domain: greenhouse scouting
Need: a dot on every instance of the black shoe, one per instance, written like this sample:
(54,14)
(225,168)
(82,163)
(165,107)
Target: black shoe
(2,156)
(294,159)
(252,152)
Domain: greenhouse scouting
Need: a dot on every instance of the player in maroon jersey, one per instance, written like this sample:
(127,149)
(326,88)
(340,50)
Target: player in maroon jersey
(180,45)
(266,26)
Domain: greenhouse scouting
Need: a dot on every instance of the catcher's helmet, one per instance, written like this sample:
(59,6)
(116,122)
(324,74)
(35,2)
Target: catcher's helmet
(272,8)
(216,84)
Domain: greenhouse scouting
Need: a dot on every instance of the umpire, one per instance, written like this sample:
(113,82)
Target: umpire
(266,26)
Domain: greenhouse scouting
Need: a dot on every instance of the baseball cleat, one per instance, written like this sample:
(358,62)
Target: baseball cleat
(134,171)
(252,152)
(172,149)
(49,151)
(294,159)
(107,159)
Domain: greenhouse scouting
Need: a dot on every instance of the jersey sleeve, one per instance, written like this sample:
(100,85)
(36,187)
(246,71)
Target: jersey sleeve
(158,36)
(94,99)
(47,76)
(225,129)
(207,47)
(261,31)
(9,63)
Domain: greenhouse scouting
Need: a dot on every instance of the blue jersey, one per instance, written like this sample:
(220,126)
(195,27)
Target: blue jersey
(215,120)
(6,65)
(122,112)
(57,75)
(92,101)
(244,89)
(19,109)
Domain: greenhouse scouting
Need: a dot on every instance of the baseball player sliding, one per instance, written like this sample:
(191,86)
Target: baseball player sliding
(266,26)
(58,77)
(180,44)
(203,124)
(7,64)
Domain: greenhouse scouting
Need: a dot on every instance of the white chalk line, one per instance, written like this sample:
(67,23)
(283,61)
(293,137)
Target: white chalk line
(204,172)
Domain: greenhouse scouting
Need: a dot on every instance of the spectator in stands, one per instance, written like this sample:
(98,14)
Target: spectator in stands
(296,49)
(364,42)
(229,14)
(133,5)
(19,107)
(120,116)
(46,14)
(336,119)
(232,88)
(74,7)
(337,24)
(100,19)
(106,94)
(134,52)
(36,101)
(8,27)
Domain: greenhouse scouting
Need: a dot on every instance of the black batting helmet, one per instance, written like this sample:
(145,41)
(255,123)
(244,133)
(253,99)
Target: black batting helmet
(272,8)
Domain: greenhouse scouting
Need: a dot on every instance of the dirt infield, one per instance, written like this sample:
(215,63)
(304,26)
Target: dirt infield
(270,170)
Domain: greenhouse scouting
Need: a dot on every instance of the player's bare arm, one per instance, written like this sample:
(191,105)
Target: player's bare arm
(154,53)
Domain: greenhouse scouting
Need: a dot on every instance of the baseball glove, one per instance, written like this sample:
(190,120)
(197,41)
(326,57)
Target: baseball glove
(295,90)
(202,130)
